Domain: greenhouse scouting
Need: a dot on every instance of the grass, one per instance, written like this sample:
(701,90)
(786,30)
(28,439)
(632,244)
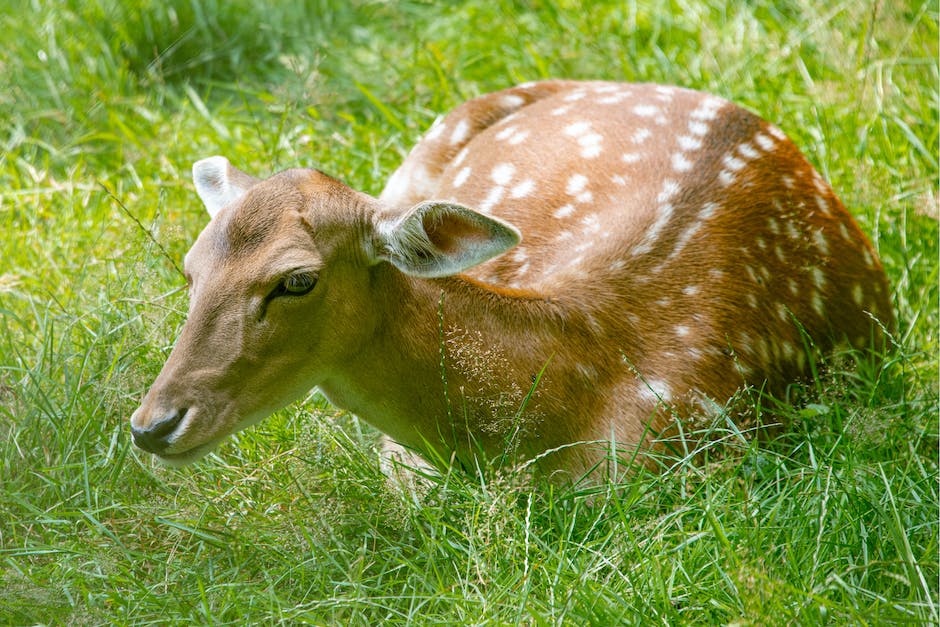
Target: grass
(106,104)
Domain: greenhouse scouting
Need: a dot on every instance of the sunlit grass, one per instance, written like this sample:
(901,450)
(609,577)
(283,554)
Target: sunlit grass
(104,104)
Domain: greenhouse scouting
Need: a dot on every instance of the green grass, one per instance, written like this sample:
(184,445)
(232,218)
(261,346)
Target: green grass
(108,103)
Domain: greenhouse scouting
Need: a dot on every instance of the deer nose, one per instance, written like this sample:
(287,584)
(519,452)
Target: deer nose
(155,437)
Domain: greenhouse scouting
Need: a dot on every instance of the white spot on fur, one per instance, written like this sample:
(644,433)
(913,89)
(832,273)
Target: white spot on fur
(763,350)
(436,129)
(684,238)
(518,137)
(670,189)
(747,151)
(640,135)
(575,96)
(655,391)
(613,99)
(460,132)
(858,294)
(687,142)
(745,343)
(776,132)
(564,211)
(576,184)
(462,176)
(698,128)
(766,143)
(562,110)
(792,232)
(726,178)
(707,210)
(586,371)
(680,163)
(522,189)
(646,245)
(818,304)
(505,133)
(819,183)
(577,129)
(511,101)
(631,157)
(396,187)
(646,111)
(592,223)
(461,156)
(844,232)
(690,290)
(707,109)
(703,114)
(503,173)
(732,163)
(681,330)
(819,278)
(494,196)
(506,120)
(591,145)
(821,242)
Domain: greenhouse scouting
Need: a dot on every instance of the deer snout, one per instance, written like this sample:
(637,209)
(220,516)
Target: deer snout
(155,436)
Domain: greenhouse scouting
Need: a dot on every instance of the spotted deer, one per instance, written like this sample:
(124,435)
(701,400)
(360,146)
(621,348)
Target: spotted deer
(555,269)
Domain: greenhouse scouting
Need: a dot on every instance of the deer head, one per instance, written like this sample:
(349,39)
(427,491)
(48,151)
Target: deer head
(280,291)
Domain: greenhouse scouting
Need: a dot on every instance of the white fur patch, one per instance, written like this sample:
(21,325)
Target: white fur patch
(215,185)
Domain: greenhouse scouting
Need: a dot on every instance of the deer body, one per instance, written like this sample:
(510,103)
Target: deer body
(673,248)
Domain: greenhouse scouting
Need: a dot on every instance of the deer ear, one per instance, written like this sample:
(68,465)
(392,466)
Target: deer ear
(437,239)
(219,183)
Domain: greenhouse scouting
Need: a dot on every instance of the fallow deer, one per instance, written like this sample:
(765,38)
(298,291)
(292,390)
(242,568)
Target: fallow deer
(557,263)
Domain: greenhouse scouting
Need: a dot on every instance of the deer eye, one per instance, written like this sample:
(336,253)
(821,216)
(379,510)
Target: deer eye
(295,284)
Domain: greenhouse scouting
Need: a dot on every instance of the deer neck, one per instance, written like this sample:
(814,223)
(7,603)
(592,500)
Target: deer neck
(449,356)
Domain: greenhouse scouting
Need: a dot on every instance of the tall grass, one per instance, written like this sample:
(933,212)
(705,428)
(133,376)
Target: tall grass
(106,104)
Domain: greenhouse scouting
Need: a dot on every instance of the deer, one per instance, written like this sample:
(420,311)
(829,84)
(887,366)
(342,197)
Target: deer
(557,270)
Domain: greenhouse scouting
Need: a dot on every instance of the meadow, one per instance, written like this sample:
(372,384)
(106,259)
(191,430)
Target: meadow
(104,106)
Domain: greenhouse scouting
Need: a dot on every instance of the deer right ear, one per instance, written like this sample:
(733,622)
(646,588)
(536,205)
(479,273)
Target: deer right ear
(437,239)
(219,183)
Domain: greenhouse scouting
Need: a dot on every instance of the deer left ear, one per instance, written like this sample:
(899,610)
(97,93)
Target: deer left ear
(219,183)
(437,239)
